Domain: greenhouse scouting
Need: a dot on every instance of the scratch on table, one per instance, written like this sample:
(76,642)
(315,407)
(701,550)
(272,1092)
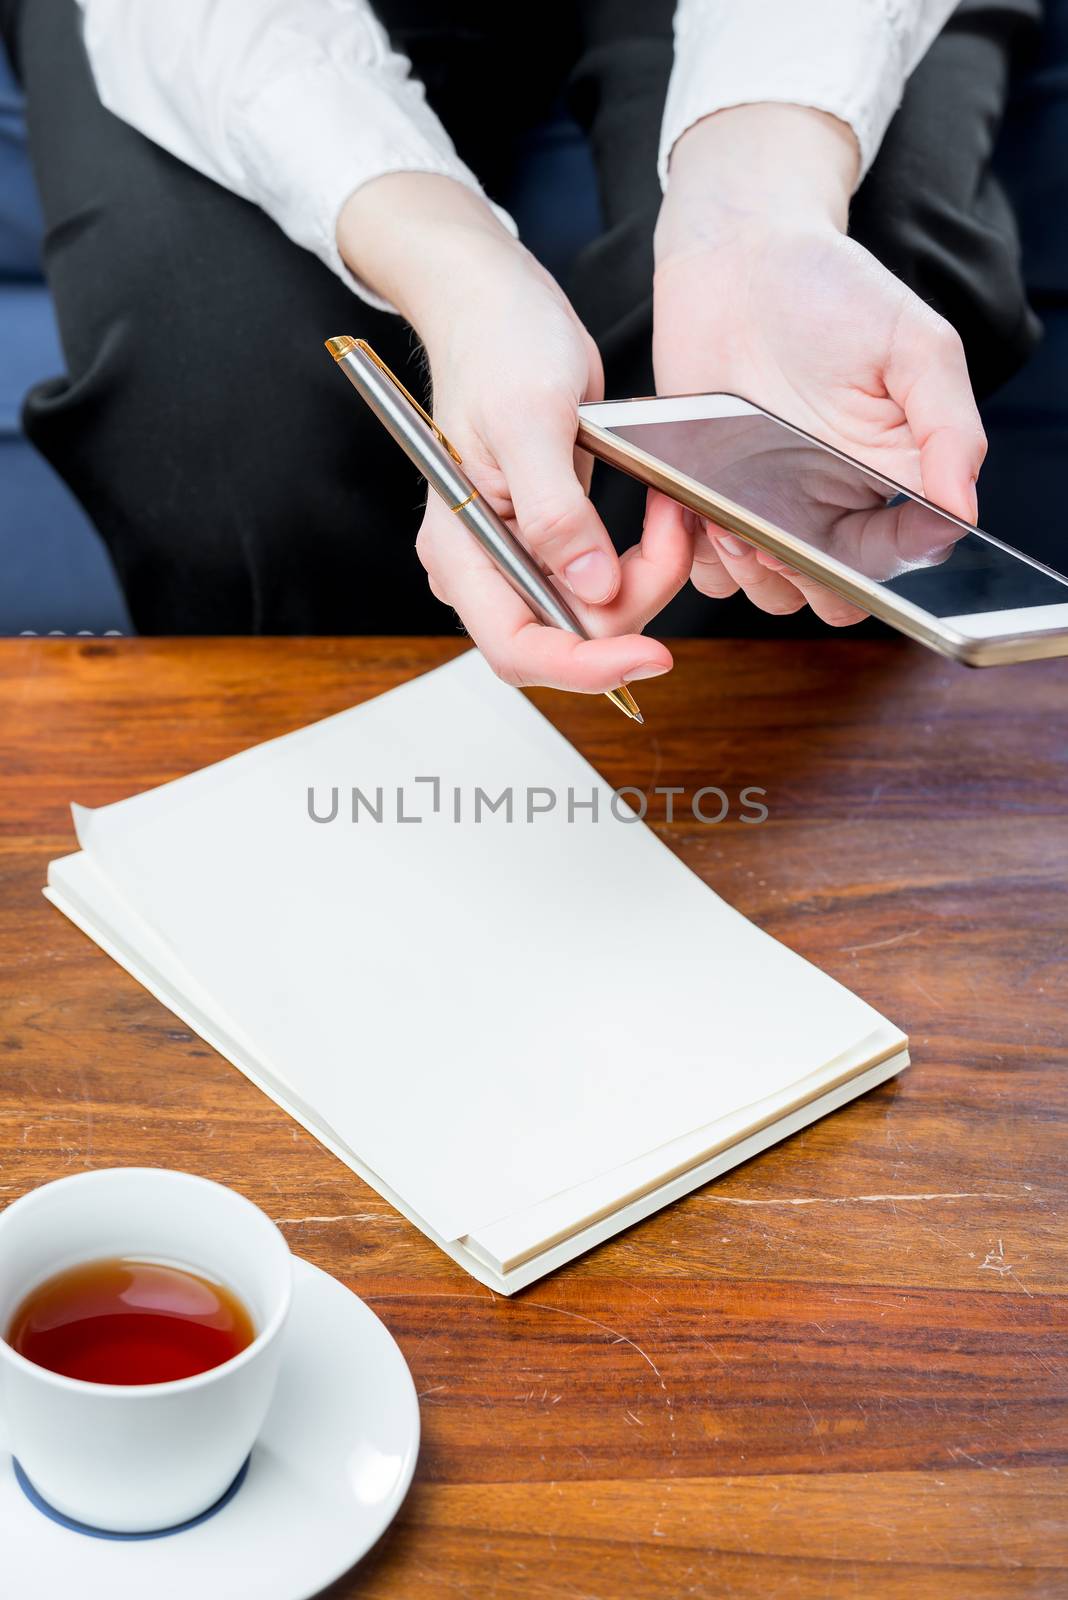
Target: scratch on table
(430,1294)
(620,1338)
(617,1338)
(341,1216)
(815,1425)
(713,1351)
(957,1453)
(879,944)
(995,1262)
(87,1106)
(1054,1372)
(927,995)
(41,1122)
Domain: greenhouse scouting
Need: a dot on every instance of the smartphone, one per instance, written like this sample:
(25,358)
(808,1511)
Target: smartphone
(938,579)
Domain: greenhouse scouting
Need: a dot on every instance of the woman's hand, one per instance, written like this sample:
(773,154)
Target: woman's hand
(758,292)
(510,363)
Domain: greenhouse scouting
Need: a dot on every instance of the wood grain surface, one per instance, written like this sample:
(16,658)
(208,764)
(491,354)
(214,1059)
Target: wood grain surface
(839,1371)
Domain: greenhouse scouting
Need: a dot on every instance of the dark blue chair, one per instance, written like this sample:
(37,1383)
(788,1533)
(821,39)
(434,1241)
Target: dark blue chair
(55,575)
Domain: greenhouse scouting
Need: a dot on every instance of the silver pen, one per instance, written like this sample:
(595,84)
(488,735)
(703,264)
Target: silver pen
(423,441)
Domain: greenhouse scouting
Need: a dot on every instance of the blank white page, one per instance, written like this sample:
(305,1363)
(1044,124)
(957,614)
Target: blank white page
(488,1013)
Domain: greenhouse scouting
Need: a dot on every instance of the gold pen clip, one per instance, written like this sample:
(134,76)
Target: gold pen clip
(340,347)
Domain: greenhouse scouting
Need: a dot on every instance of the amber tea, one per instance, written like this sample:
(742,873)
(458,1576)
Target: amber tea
(124,1321)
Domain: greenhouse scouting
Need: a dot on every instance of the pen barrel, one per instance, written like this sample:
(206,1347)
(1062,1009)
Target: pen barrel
(396,415)
(518,566)
(446,478)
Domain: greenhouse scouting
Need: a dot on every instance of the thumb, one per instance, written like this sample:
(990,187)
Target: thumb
(928,377)
(555,518)
(949,468)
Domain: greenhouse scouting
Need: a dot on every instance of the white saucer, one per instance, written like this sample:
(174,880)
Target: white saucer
(325,1480)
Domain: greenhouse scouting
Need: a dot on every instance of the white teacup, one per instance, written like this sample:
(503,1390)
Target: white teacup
(140,1457)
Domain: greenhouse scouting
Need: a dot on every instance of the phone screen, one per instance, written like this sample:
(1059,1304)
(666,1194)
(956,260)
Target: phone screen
(839,508)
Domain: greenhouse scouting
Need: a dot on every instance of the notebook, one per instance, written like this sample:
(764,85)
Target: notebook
(428,929)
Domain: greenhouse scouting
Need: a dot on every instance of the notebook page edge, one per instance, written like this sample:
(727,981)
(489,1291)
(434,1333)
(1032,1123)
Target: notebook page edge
(598,1233)
(516,1239)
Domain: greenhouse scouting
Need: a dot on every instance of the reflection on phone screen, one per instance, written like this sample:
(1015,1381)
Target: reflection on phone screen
(848,513)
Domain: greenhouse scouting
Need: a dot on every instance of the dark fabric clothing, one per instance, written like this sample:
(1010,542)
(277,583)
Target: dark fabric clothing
(238,485)
(932,206)
(1021,490)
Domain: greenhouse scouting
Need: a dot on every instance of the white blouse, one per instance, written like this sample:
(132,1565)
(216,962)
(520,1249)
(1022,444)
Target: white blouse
(294,104)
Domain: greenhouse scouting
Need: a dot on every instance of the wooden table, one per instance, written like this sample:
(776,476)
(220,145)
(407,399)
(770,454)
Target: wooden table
(841,1370)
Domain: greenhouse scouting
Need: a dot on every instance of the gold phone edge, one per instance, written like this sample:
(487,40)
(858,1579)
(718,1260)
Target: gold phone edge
(865,593)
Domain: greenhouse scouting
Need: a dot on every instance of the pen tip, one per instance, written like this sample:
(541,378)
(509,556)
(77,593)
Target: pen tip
(626,702)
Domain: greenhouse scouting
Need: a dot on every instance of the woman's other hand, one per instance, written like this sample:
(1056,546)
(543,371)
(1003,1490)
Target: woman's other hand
(760,293)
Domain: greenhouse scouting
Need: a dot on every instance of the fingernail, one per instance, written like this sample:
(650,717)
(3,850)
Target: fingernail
(644,669)
(733,546)
(590,576)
